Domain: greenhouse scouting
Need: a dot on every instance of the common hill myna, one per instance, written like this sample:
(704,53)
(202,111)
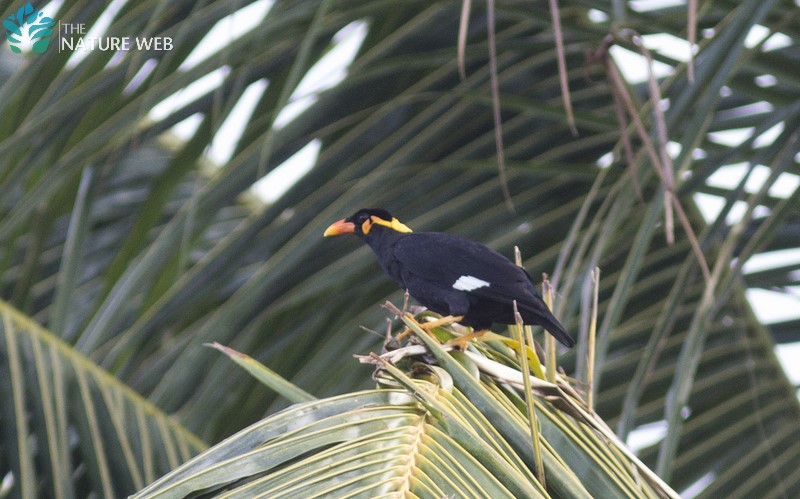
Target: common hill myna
(450,274)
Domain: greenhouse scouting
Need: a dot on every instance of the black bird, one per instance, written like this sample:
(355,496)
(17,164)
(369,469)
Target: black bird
(450,274)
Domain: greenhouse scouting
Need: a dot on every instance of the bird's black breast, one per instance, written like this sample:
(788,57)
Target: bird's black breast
(383,245)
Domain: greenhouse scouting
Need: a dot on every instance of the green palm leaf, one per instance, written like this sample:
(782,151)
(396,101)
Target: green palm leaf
(97,435)
(430,439)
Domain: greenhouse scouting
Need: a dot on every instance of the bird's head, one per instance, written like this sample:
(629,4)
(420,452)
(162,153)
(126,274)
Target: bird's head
(364,222)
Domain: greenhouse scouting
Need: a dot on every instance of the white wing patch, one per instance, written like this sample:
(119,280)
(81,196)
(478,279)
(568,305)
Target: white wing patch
(469,283)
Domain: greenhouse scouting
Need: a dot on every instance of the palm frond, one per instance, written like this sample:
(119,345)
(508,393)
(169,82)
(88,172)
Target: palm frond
(96,435)
(447,432)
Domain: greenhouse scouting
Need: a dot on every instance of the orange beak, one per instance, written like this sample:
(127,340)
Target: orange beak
(339,228)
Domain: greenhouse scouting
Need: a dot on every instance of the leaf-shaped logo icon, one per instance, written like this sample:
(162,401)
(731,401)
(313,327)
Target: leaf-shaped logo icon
(29,30)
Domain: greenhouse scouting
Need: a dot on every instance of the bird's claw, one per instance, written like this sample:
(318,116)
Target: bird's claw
(403,334)
(429,326)
(462,341)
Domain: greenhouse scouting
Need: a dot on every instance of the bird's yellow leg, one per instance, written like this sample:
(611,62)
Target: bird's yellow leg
(443,321)
(462,341)
(428,326)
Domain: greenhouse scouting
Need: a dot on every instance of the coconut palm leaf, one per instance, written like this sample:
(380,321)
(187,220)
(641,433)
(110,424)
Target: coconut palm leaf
(430,439)
(96,435)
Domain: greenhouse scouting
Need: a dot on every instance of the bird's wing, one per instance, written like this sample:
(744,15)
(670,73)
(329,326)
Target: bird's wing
(447,261)
(462,264)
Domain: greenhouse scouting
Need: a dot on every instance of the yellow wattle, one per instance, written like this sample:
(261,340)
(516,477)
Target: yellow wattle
(395,224)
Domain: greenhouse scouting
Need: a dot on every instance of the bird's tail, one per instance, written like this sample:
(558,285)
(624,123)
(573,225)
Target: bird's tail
(542,317)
